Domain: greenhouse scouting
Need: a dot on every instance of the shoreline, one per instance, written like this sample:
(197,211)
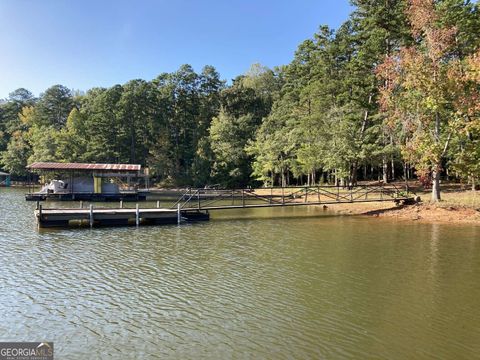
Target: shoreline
(442,213)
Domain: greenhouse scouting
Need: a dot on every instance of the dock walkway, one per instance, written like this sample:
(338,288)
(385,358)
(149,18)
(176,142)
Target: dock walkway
(195,204)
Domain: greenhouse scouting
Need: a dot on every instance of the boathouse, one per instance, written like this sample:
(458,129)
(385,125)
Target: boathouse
(89,181)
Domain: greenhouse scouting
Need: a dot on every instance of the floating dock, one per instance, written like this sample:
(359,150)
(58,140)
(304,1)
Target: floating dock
(47,218)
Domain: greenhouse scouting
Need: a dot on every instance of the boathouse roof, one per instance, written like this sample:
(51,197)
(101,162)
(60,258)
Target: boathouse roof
(83,166)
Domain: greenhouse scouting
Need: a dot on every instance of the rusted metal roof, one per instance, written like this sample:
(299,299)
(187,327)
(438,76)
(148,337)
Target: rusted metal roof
(83,166)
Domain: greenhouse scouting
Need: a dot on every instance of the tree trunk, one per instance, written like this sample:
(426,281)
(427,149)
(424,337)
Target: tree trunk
(354,175)
(436,169)
(393,169)
(473,183)
(385,169)
(436,184)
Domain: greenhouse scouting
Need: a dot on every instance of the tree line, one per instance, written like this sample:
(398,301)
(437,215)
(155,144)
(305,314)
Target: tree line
(393,93)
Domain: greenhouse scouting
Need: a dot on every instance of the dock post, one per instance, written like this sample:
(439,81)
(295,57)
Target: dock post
(137,215)
(39,214)
(158,204)
(179,215)
(81,204)
(198,199)
(38,204)
(243,197)
(91,215)
(121,204)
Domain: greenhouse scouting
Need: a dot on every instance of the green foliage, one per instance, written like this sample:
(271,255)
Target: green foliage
(54,106)
(15,157)
(465,162)
(228,138)
(71,143)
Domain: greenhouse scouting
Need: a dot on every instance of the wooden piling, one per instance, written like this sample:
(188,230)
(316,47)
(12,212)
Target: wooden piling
(137,215)
(91,215)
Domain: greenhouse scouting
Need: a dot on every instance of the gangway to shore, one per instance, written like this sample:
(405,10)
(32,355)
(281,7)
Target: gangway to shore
(196,204)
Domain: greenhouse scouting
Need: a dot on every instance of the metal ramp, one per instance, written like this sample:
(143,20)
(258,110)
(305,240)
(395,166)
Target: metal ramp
(212,199)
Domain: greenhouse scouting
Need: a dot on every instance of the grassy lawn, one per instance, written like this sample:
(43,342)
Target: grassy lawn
(452,198)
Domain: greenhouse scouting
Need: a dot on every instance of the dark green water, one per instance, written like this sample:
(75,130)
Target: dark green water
(293,283)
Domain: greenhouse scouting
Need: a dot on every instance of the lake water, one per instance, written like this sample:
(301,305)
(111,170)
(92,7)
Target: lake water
(284,283)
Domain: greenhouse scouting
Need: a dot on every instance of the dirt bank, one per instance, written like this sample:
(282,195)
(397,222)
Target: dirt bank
(425,213)
(431,214)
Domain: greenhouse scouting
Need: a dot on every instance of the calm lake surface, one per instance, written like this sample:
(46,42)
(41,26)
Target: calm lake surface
(291,283)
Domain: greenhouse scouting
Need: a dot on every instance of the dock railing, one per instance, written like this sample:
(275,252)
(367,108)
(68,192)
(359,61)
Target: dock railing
(207,199)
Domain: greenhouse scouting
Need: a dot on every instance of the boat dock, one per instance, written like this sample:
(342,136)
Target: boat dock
(88,182)
(115,217)
(196,204)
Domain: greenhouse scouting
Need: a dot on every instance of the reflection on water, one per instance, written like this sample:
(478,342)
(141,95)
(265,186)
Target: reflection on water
(265,283)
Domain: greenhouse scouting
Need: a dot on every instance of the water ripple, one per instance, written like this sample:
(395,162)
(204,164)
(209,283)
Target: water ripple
(269,283)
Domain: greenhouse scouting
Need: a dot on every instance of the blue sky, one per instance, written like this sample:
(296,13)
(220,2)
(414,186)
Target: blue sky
(87,43)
